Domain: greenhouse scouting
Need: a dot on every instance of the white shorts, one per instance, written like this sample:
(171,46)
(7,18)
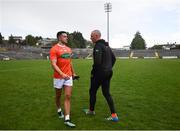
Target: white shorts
(59,83)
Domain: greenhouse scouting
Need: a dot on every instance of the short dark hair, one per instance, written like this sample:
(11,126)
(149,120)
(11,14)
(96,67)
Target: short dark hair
(60,33)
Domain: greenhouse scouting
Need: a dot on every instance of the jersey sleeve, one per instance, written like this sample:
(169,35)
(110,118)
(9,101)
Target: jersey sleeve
(53,55)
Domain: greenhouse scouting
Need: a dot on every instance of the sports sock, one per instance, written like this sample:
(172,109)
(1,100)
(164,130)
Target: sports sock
(59,110)
(67,117)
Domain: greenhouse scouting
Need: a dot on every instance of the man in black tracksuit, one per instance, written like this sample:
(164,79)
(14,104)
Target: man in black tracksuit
(101,73)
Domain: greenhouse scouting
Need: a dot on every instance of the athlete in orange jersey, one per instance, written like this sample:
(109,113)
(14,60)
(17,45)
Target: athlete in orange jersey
(60,56)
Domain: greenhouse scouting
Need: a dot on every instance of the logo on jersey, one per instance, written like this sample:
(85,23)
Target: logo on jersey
(66,55)
(97,50)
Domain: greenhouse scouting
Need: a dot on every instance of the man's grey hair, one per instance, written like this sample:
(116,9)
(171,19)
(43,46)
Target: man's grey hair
(97,32)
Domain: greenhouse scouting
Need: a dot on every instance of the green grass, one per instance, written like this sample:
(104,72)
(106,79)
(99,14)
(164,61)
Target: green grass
(146,95)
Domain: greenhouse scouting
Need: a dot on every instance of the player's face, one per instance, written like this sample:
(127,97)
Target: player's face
(64,38)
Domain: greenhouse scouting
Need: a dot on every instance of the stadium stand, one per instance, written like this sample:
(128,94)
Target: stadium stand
(83,53)
(144,53)
(122,53)
(19,55)
(28,52)
(169,53)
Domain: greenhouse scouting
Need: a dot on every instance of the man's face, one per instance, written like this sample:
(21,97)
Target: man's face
(63,38)
(93,37)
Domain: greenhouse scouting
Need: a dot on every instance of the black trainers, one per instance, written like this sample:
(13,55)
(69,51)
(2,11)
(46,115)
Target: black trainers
(60,114)
(69,124)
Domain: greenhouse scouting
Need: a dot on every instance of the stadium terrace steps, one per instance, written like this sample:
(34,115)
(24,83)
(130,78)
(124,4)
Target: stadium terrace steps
(38,53)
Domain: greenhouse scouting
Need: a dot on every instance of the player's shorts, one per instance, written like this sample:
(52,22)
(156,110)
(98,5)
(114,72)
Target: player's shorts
(59,83)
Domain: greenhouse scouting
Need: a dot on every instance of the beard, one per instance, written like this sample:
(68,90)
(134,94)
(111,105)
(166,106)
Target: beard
(64,42)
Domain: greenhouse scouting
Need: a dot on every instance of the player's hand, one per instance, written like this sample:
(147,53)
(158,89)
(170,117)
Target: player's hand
(66,77)
(75,77)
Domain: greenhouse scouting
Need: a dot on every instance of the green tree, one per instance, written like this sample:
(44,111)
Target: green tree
(138,42)
(157,47)
(38,38)
(76,40)
(1,39)
(11,40)
(177,46)
(70,41)
(89,44)
(23,42)
(31,40)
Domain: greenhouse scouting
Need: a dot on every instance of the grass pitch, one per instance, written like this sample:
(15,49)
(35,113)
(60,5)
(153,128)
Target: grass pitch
(146,95)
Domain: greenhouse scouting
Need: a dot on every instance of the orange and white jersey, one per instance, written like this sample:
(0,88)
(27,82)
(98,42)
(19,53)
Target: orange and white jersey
(62,54)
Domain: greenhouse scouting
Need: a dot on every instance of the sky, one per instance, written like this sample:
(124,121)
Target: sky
(158,21)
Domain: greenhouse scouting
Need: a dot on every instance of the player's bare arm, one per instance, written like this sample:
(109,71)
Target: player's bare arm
(54,65)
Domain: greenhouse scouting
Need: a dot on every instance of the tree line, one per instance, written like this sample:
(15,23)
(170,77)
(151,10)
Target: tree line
(76,40)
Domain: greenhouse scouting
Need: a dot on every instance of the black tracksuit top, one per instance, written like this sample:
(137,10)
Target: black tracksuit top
(103,57)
